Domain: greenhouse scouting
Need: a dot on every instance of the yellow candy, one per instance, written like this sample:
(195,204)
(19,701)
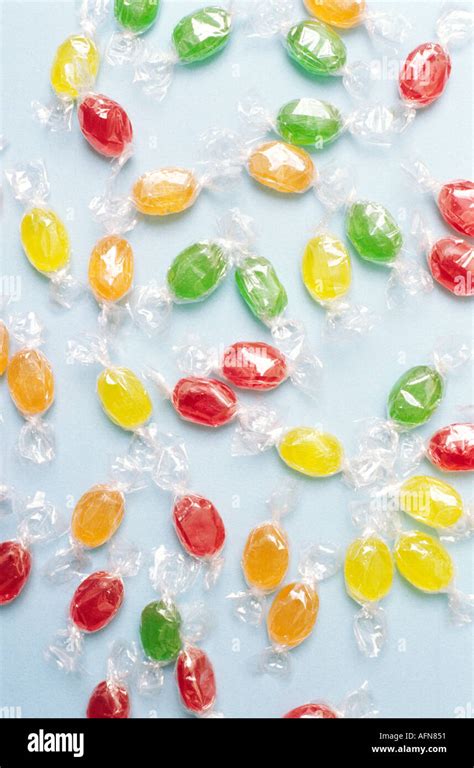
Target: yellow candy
(124,398)
(166,191)
(431,501)
(111,268)
(265,557)
(45,240)
(292,615)
(368,569)
(75,66)
(423,561)
(338,13)
(311,452)
(326,268)
(282,167)
(97,515)
(4,347)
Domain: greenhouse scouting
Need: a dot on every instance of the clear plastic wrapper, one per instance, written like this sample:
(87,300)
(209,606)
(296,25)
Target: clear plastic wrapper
(134,18)
(39,522)
(31,384)
(449,449)
(196,38)
(265,557)
(110,698)
(292,615)
(43,235)
(359,703)
(390,27)
(94,605)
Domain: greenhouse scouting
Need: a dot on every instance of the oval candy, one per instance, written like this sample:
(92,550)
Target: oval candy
(75,66)
(196,680)
(30,381)
(45,240)
(309,123)
(456,205)
(338,13)
(202,34)
(203,401)
(316,48)
(254,365)
(97,515)
(197,271)
(373,232)
(136,15)
(311,452)
(424,74)
(265,557)
(431,501)
(15,568)
(109,700)
(165,191)
(96,601)
(451,448)
(326,268)
(160,631)
(451,262)
(415,396)
(199,526)
(260,287)
(105,125)
(111,266)
(368,569)
(292,615)
(282,167)
(124,398)
(423,562)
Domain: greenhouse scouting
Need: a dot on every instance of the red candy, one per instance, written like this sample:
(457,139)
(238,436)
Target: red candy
(199,526)
(110,701)
(254,365)
(196,680)
(96,601)
(451,263)
(456,205)
(311,710)
(15,567)
(204,401)
(452,448)
(105,125)
(424,74)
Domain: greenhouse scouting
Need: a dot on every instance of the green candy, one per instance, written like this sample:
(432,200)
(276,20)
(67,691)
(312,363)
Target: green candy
(160,631)
(309,123)
(136,15)
(260,287)
(202,34)
(373,232)
(316,48)
(415,396)
(197,271)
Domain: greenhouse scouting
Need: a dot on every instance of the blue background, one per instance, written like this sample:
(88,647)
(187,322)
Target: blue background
(426,668)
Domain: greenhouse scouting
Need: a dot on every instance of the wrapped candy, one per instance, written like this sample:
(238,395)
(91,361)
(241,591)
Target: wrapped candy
(252,365)
(265,557)
(39,522)
(134,17)
(122,395)
(196,38)
(347,14)
(450,449)
(4,347)
(450,259)
(75,67)
(94,604)
(294,609)
(110,699)
(106,126)
(358,703)
(44,237)
(31,385)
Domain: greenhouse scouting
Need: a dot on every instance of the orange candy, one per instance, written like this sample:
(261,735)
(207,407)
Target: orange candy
(31,382)
(282,167)
(337,13)
(265,557)
(111,268)
(292,615)
(97,515)
(166,191)
(4,347)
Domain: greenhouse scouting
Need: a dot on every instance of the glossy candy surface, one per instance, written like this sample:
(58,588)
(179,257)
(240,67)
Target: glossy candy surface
(373,232)
(451,448)
(265,557)
(109,700)
(197,271)
(136,15)
(97,515)
(30,382)
(292,614)
(326,268)
(282,167)
(45,240)
(199,526)
(338,13)
(309,123)
(431,501)
(208,402)
(310,711)
(260,287)
(111,268)
(75,66)
(451,262)
(15,567)
(105,125)
(96,601)
(316,48)
(311,452)
(160,631)
(202,34)
(124,398)
(4,347)
(456,205)
(165,191)
(196,680)
(424,74)
(368,569)
(415,396)
(254,365)
(423,561)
